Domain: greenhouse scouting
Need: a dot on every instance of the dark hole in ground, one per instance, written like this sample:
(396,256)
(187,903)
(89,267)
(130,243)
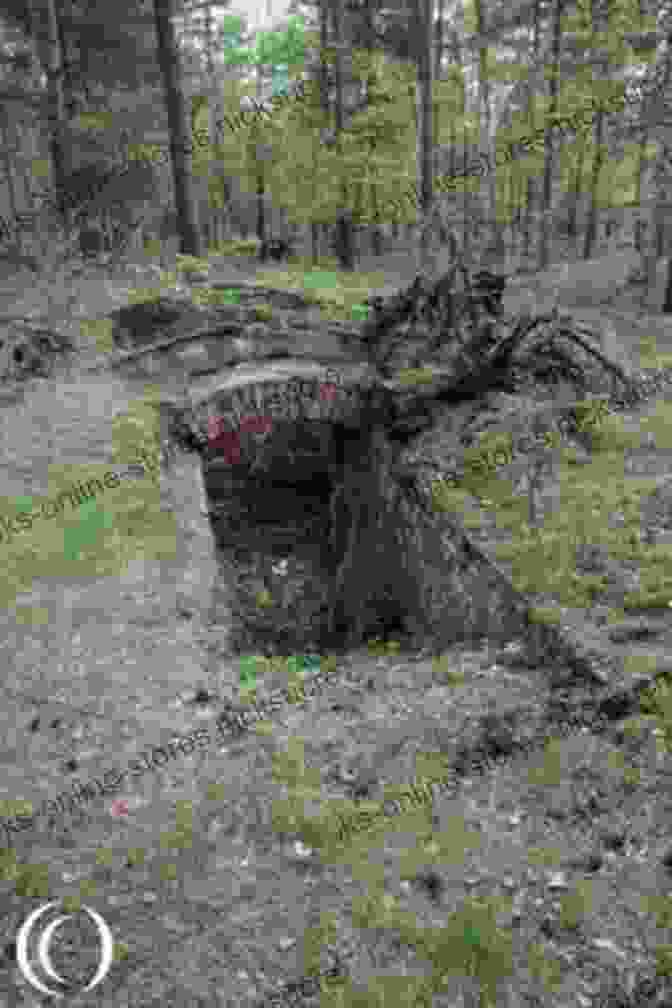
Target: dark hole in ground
(273,527)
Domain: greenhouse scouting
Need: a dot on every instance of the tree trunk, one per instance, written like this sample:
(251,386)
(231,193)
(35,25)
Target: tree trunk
(547,191)
(438,60)
(424,121)
(497,241)
(67,47)
(598,161)
(650,243)
(57,117)
(324,43)
(573,213)
(261,210)
(220,218)
(324,103)
(344,249)
(180,140)
(600,149)
(439,45)
(8,159)
(667,306)
(260,204)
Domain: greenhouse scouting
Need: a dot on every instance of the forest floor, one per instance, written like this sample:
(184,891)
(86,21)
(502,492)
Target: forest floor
(537,874)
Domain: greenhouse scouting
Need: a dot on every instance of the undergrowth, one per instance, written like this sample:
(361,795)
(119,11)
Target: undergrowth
(543,559)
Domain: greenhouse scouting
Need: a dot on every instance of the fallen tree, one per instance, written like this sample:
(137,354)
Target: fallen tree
(459,349)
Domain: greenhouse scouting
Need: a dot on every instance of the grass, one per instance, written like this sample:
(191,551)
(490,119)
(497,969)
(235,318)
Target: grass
(543,559)
(339,294)
(470,942)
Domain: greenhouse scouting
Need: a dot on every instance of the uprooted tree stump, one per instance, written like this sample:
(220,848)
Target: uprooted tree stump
(391,564)
(394,565)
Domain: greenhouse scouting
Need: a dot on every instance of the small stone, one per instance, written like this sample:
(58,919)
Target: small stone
(594,862)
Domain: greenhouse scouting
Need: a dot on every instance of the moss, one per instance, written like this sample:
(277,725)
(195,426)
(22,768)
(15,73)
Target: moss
(664,960)
(415,376)
(263,312)
(544,614)
(236,247)
(482,460)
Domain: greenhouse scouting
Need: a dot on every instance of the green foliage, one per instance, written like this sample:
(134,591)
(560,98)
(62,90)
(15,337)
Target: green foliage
(135,857)
(576,904)
(661,906)
(544,614)
(442,669)
(546,857)
(432,848)
(9,870)
(471,943)
(263,312)
(543,970)
(649,356)
(481,461)
(664,960)
(33,881)
(378,648)
(657,702)
(590,414)
(314,940)
(550,773)
(236,247)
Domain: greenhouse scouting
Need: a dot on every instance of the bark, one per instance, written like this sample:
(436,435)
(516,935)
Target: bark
(344,249)
(56,100)
(178,120)
(424,119)
(573,215)
(598,161)
(547,190)
(261,184)
(439,41)
(324,102)
(667,305)
(7,155)
(221,220)
(67,50)
(486,131)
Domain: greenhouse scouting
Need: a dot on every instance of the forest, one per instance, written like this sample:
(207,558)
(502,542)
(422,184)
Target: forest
(364,309)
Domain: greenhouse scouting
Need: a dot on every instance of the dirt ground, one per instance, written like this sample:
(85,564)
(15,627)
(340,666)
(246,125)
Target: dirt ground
(536,873)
